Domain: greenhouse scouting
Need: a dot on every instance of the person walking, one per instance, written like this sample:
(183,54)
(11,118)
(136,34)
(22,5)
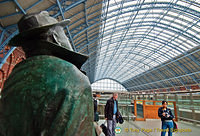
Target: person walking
(167,119)
(111,113)
(96,102)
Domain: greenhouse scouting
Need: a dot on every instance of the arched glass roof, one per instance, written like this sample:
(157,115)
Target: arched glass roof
(107,85)
(140,35)
(141,44)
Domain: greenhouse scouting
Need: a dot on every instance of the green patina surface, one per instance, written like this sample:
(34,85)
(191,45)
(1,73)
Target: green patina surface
(46,96)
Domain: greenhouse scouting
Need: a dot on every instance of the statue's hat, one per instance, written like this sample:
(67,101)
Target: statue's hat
(32,25)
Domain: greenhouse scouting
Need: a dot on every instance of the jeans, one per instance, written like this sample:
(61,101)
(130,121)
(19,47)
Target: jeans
(111,125)
(166,125)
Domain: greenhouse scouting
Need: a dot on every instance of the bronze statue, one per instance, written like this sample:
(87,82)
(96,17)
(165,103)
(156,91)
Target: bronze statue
(46,94)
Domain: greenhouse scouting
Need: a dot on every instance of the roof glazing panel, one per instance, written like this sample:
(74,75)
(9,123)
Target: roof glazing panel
(141,34)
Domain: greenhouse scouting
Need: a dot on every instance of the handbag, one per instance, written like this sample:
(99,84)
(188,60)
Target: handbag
(104,128)
(175,126)
(120,119)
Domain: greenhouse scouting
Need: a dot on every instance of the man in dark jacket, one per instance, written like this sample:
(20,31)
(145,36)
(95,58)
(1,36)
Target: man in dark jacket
(96,102)
(166,117)
(111,112)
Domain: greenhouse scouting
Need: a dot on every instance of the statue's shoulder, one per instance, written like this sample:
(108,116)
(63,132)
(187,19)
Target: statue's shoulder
(43,61)
(44,69)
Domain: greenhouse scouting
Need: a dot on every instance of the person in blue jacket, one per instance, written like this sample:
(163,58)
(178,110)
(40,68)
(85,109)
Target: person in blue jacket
(167,119)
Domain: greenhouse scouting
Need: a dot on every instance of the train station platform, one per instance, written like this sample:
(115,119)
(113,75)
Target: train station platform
(152,127)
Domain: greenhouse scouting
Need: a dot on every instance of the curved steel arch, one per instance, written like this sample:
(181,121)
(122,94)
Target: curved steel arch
(149,39)
(171,61)
(171,30)
(132,64)
(144,70)
(192,11)
(142,55)
(160,25)
(143,6)
(129,27)
(23,11)
(110,79)
(190,38)
(161,54)
(138,76)
(153,22)
(130,53)
(196,12)
(127,6)
(167,79)
(122,75)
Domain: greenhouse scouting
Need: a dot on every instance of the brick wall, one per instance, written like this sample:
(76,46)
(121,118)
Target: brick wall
(16,57)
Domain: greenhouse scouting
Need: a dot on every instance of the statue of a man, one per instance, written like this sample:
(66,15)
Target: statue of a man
(46,94)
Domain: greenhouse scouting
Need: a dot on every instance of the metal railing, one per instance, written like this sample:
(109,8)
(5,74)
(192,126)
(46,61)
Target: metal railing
(187,103)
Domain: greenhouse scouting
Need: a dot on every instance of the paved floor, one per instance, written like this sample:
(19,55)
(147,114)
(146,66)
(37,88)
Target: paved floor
(152,128)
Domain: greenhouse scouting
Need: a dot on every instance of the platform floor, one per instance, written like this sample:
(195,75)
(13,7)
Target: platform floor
(152,127)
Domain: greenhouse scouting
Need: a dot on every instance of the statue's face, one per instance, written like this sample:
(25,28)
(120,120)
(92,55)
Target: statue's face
(60,38)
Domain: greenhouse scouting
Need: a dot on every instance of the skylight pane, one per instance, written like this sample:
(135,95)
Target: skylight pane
(141,36)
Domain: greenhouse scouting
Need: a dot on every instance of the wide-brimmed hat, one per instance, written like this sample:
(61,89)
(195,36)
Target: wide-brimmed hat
(32,25)
(54,50)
